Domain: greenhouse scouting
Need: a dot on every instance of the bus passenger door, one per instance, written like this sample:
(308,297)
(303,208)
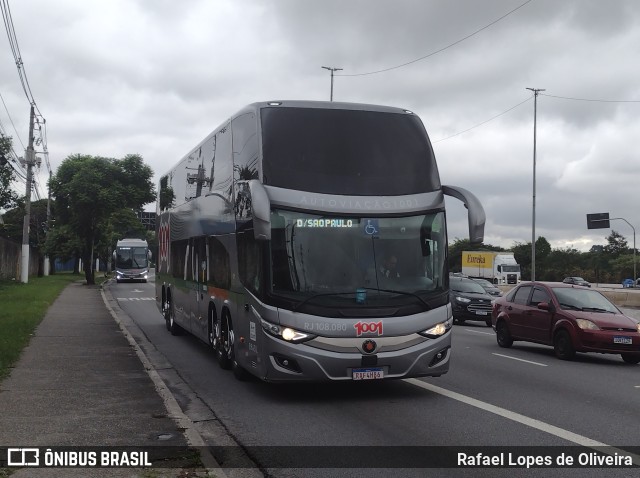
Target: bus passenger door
(249,310)
(246,326)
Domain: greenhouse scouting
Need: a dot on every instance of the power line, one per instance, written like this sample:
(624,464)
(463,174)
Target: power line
(484,122)
(15,49)
(589,99)
(441,49)
(10,119)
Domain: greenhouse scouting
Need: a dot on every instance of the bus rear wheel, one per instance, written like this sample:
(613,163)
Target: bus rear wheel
(225,342)
(170,318)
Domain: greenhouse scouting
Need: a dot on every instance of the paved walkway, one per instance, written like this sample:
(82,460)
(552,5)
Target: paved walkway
(81,383)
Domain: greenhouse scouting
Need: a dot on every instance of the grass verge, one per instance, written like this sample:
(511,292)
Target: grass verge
(23,307)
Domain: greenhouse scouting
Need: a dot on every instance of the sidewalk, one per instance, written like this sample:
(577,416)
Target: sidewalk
(80,383)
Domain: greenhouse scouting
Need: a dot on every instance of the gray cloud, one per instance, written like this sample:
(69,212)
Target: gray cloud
(155,77)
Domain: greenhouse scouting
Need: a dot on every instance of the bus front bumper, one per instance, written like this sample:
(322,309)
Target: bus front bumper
(341,360)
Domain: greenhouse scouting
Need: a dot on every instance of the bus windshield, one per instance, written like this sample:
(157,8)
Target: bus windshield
(356,261)
(340,151)
(131,257)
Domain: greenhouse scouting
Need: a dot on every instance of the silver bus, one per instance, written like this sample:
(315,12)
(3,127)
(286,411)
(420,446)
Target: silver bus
(131,258)
(306,241)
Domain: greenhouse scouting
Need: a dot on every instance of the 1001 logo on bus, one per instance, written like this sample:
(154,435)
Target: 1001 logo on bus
(368,328)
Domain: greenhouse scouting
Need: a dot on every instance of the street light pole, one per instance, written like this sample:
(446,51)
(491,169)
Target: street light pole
(533,218)
(331,70)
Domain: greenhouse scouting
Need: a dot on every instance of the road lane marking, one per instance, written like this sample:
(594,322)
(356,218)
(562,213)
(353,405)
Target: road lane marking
(135,298)
(531,422)
(519,359)
(479,332)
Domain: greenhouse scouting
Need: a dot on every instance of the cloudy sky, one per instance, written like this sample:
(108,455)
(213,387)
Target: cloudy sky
(154,77)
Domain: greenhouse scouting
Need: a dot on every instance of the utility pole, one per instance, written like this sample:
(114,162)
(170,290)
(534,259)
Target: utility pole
(30,161)
(533,219)
(46,257)
(331,70)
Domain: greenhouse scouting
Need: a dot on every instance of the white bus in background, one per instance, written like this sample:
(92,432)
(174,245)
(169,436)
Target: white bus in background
(131,259)
(276,231)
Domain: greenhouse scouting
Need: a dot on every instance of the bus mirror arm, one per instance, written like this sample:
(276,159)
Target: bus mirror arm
(475,211)
(261,206)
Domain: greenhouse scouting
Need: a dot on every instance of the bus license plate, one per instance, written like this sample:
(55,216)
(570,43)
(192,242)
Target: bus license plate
(368,373)
(623,340)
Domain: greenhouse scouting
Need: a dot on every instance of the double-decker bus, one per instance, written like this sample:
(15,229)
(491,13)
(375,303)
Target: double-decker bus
(131,258)
(307,241)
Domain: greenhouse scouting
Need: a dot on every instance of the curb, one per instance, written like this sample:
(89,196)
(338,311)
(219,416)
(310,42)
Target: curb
(173,408)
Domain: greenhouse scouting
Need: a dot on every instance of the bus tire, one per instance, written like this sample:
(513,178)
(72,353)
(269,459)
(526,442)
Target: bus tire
(214,330)
(170,318)
(225,348)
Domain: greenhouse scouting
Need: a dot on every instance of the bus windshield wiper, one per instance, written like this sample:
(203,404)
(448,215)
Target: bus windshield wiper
(314,296)
(401,292)
(391,291)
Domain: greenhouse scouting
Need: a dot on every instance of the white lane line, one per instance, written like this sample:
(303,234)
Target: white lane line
(480,332)
(520,360)
(531,422)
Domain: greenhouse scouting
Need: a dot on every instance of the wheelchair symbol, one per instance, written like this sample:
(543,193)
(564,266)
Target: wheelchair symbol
(371,229)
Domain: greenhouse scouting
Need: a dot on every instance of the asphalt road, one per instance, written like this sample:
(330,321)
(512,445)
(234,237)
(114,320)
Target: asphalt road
(522,396)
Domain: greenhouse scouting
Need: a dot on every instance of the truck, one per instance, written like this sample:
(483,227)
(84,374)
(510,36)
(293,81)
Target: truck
(497,267)
(131,259)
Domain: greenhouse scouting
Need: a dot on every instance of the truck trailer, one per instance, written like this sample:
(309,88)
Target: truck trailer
(497,267)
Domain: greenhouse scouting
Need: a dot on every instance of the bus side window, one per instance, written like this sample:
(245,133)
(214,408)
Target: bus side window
(218,270)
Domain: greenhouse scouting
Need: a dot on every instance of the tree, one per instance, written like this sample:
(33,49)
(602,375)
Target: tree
(616,244)
(89,191)
(543,249)
(8,197)
(522,254)
(12,228)
(167,196)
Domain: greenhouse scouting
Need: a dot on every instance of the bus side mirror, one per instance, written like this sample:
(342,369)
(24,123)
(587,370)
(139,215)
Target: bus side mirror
(114,255)
(149,255)
(475,211)
(261,206)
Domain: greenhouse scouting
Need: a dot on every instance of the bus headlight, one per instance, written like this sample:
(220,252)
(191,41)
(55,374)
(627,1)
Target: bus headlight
(438,330)
(285,333)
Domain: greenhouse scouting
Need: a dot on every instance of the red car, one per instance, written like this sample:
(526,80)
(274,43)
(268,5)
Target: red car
(570,318)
